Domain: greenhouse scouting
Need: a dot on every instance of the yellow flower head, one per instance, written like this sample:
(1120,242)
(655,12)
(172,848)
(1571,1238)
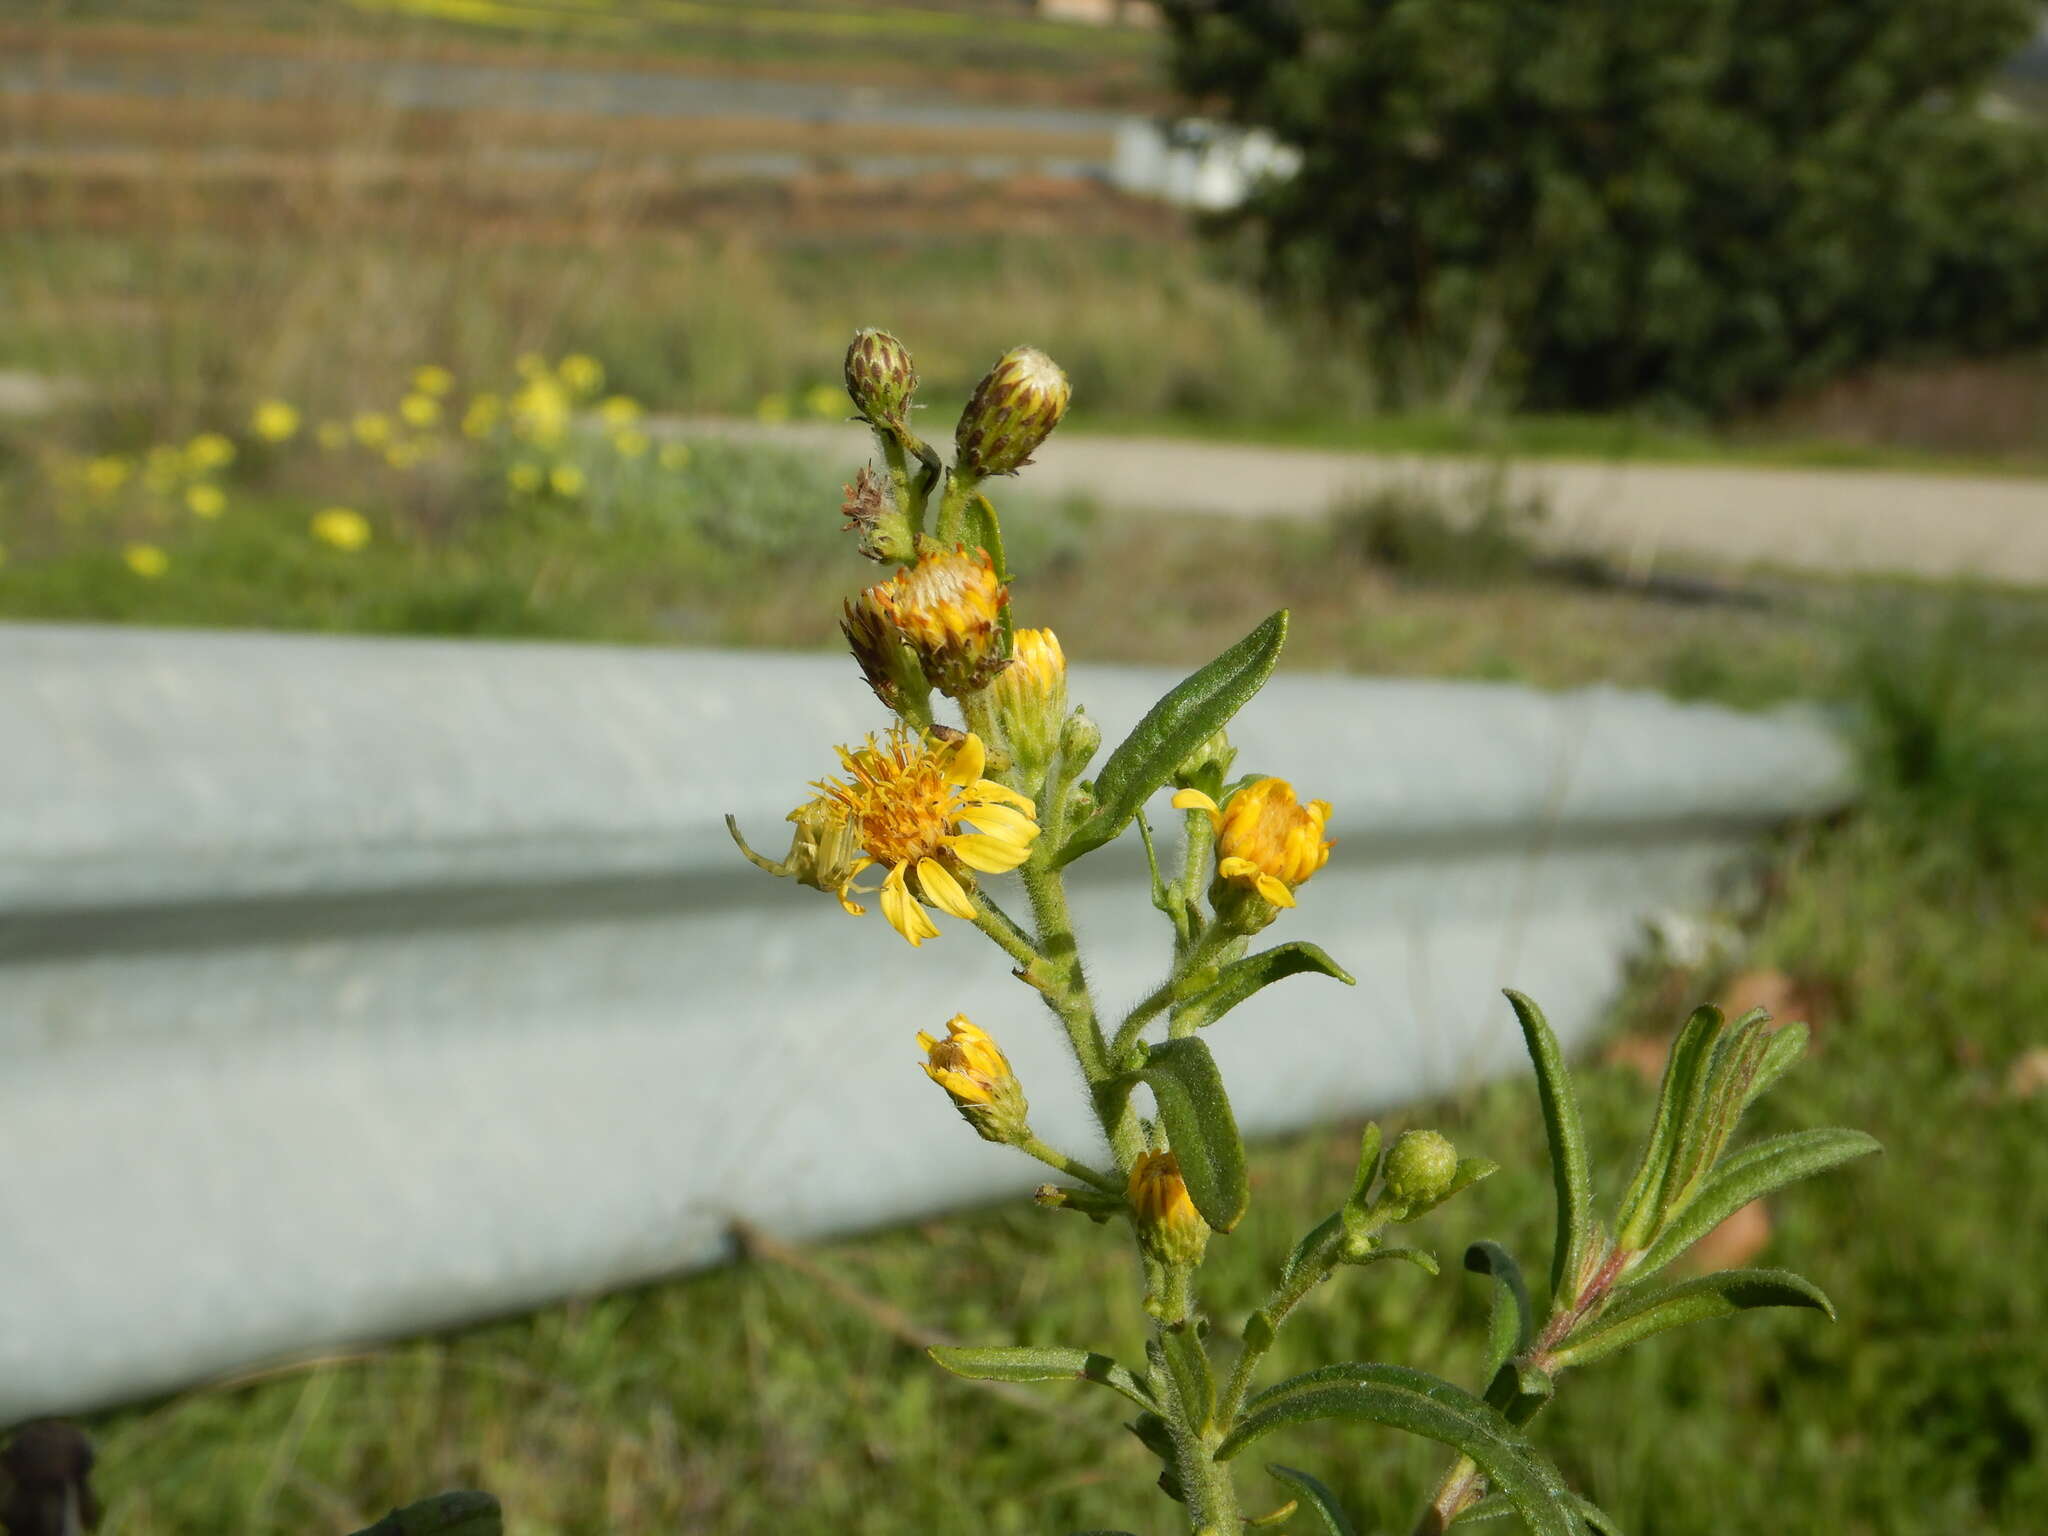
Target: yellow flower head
(146,560)
(206,500)
(946,608)
(583,374)
(420,411)
(274,421)
(919,807)
(826,402)
(1031,698)
(977,1078)
(1265,839)
(342,528)
(619,411)
(209,451)
(1167,1221)
(824,852)
(566,480)
(372,429)
(432,379)
(108,473)
(540,411)
(482,415)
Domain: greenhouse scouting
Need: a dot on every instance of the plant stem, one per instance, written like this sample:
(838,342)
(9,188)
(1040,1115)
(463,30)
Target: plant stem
(1013,940)
(953,508)
(1461,1488)
(1072,1167)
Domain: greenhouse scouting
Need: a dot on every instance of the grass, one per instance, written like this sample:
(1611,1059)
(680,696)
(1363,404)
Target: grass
(779,1396)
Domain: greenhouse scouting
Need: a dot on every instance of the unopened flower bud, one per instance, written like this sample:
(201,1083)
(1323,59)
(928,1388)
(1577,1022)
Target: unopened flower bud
(881,378)
(946,609)
(1080,740)
(824,852)
(977,1078)
(1207,766)
(1420,1168)
(1013,409)
(1030,696)
(886,659)
(1168,1224)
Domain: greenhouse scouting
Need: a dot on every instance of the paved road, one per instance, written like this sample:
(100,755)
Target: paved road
(1642,515)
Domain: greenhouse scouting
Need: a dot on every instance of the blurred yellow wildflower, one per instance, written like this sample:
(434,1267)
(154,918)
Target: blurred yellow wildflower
(432,379)
(372,428)
(419,410)
(675,456)
(566,480)
(274,421)
(524,478)
(619,411)
(1265,839)
(331,435)
(108,473)
(206,500)
(582,373)
(482,416)
(342,527)
(146,560)
(772,409)
(209,451)
(826,401)
(540,411)
(920,806)
(630,444)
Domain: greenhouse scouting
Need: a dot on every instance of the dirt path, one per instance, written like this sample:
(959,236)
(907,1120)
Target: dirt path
(1642,515)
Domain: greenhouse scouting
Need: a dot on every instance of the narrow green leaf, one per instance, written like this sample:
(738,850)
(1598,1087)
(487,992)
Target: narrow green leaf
(985,529)
(1316,1499)
(1241,978)
(1749,1174)
(1684,1071)
(1732,1290)
(1423,1405)
(1196,1113)
(1312,1249)
(445,1514)
(1046,1362)
(1597,1519)
(1196,709)
(1492,1507)
(1568,1168)
(1787,1046)
(1511,1323)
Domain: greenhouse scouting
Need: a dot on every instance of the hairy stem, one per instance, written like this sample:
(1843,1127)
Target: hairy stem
(1072,1167)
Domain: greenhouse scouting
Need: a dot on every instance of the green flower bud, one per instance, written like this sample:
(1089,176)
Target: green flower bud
(1080,740)
(1013,409)
(881,378)
(1421,1168)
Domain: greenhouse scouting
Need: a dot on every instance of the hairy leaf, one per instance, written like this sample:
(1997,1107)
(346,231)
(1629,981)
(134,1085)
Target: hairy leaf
(1196,709)
(1691,1301)
(1751,1173)
(1241,978)
(1196,1113)
(1568,1168)
(1044,1362)
(1512,1323)
(1316,1499)
(445,1514)
(1684,1074)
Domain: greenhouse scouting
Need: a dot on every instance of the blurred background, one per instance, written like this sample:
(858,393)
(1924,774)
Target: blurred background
(1697,346)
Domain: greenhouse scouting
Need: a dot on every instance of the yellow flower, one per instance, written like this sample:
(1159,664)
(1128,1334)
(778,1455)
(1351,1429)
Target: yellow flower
(771,409)
(331,435)
(146,560)
(341,527)
(524,478)
(1264,838)
(824,852)
(1030,696)
(946,608)
(826,401)
(566,480)
(920,807)
(274,421)
(420,411)
(977,1078)
(675,456)
(619,411)
(372,428)
(540,411)
(482,415)
(582,373)
(206,500)
(432,379)
(209,451)
(1168,1224)
(630,444)
(108,473)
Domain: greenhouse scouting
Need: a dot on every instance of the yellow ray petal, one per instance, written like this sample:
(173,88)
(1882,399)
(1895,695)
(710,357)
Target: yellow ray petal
(1275,892)
(903,912)
(990,855)
(989,789)
(969,758)
(942,890)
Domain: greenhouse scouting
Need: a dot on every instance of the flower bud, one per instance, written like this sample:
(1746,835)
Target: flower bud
(1207,766)
(1080,740)
(1168,1224)
(1013,409)
(871,511)
(977,1078)
(886,660)
(824,852)
(946,609)
(881,379)
(1420,1168)
(1030,696)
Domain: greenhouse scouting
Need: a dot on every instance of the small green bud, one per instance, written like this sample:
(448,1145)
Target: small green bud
(880,378)
(1013,410)
(1421,1168)
(1206,767)
(1080,740)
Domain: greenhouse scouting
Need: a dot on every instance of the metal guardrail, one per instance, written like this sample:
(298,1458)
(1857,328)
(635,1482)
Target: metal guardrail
(352,987)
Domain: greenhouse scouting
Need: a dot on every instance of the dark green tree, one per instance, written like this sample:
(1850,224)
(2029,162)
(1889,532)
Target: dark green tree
(1595,202)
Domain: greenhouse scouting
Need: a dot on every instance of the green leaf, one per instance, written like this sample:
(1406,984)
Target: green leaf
(1241,978)
(1597,1519)
(1684,1072)
(1314,1248)
(445,1514)
(1045,1362)
(1787,1046)
(1317,1499)
(1748,1175)
(1423,1405)
(1512,1323)
(1719,1295)
(985,529)
(1196,1113)
(1568,1168)
(1196,709)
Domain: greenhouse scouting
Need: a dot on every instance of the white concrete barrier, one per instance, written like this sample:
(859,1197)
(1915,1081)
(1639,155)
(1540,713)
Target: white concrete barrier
(351,987)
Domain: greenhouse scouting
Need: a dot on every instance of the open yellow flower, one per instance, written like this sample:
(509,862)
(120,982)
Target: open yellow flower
(1265,839)
(919,807)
